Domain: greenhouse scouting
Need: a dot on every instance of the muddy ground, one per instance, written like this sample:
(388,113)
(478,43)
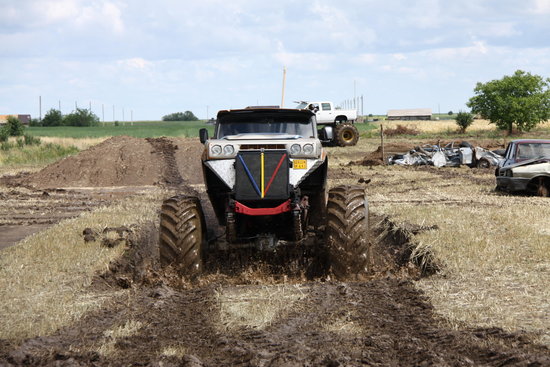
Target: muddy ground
(380,320)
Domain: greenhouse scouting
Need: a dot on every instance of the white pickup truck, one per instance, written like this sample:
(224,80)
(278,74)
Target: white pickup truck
(338,123)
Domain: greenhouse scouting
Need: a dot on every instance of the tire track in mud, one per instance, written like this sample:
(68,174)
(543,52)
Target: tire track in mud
(383,322)
(166,149)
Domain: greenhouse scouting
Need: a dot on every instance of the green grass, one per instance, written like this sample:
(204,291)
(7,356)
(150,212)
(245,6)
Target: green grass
(139,129)
(34,154)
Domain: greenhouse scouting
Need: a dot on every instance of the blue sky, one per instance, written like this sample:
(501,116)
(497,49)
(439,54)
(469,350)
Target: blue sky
(164,56)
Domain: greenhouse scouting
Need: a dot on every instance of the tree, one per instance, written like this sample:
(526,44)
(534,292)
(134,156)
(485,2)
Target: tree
(52,118)
(464,120)
(14,127)
(81,117)
(180,116)
(521,99)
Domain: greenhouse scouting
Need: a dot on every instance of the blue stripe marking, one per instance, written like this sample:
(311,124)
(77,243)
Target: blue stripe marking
(254,184)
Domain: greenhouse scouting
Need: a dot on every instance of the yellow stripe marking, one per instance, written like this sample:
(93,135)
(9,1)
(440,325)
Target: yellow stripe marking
(262,173)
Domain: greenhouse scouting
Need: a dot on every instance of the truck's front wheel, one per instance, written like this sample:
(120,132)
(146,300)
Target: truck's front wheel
(182,232)
(346,134)
(347,230)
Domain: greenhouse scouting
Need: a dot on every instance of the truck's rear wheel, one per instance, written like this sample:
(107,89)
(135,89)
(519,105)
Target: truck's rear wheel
(346,231)
(182,233)
(346,134)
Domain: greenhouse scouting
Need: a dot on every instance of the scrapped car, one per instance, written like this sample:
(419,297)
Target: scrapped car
(451,155)
(526,167)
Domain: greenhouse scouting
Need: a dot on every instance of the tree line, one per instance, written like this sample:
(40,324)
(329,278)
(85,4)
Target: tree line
(79,117)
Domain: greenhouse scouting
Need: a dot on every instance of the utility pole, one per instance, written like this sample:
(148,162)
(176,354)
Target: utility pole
(90,109)
(284,82)
(75,106)
(59,105)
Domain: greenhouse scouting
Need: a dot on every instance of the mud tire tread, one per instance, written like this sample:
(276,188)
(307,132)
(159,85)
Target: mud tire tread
(182,233)
(343,128)
(346,233)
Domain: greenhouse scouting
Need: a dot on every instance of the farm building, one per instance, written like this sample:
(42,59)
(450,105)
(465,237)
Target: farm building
(410,114)
(24,119)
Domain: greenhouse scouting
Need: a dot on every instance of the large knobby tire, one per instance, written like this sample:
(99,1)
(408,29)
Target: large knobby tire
(182,233)
(346,134)
(346,232)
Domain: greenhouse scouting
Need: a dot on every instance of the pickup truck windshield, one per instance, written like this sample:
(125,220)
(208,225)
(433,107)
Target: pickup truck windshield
(533,150)
(268,126)
(302,105)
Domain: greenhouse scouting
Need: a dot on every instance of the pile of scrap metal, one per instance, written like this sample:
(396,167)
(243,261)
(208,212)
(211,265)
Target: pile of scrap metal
(451,155)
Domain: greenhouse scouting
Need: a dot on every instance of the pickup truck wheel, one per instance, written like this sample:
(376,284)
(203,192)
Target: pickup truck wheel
(543,187)
(346,134)
(346,231)
(182,232)
(483,163)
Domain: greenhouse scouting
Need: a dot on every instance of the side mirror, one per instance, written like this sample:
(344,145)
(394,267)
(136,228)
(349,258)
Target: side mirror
(326,134)
(203,135)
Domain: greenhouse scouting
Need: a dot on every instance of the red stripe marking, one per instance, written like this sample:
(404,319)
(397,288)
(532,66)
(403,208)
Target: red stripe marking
(274,174)
(243,209)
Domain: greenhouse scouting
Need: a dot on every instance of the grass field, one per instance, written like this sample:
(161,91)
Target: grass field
(138,129)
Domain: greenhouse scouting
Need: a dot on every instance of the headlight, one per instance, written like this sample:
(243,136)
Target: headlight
(295,149)
(308,148)
(228,150)
(216,150)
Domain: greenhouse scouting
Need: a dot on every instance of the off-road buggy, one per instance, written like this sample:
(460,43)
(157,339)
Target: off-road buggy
(265,173)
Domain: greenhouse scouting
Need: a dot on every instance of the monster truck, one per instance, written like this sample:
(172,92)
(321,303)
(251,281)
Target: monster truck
(339,124)
(265,172)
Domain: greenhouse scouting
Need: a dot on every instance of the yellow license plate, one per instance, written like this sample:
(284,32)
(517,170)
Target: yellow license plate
(299,164)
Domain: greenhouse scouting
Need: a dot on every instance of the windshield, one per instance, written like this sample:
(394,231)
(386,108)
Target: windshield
(533,150)
(267,126)
(301,105)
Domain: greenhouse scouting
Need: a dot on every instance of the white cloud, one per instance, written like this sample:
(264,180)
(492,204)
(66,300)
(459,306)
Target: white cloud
(399,57)
(541,7)
(135,63)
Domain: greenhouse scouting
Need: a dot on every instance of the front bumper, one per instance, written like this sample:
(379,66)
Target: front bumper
(512,184)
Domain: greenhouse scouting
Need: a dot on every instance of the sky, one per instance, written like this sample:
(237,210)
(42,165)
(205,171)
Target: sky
(149,58)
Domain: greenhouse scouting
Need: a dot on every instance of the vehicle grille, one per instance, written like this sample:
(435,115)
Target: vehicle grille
(262,146)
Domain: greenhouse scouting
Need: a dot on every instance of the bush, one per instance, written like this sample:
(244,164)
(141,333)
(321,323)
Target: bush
(81,117)
(180,116)
(464,120)
(6,145)
(35,122)
(401,130)
(14,126)
(31,140)
(4,134)
(52,118)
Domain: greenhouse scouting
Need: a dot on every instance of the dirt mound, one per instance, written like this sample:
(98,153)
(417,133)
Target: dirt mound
(374,158)
(125,161)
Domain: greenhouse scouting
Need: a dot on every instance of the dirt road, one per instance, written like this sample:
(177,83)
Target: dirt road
(382,322)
